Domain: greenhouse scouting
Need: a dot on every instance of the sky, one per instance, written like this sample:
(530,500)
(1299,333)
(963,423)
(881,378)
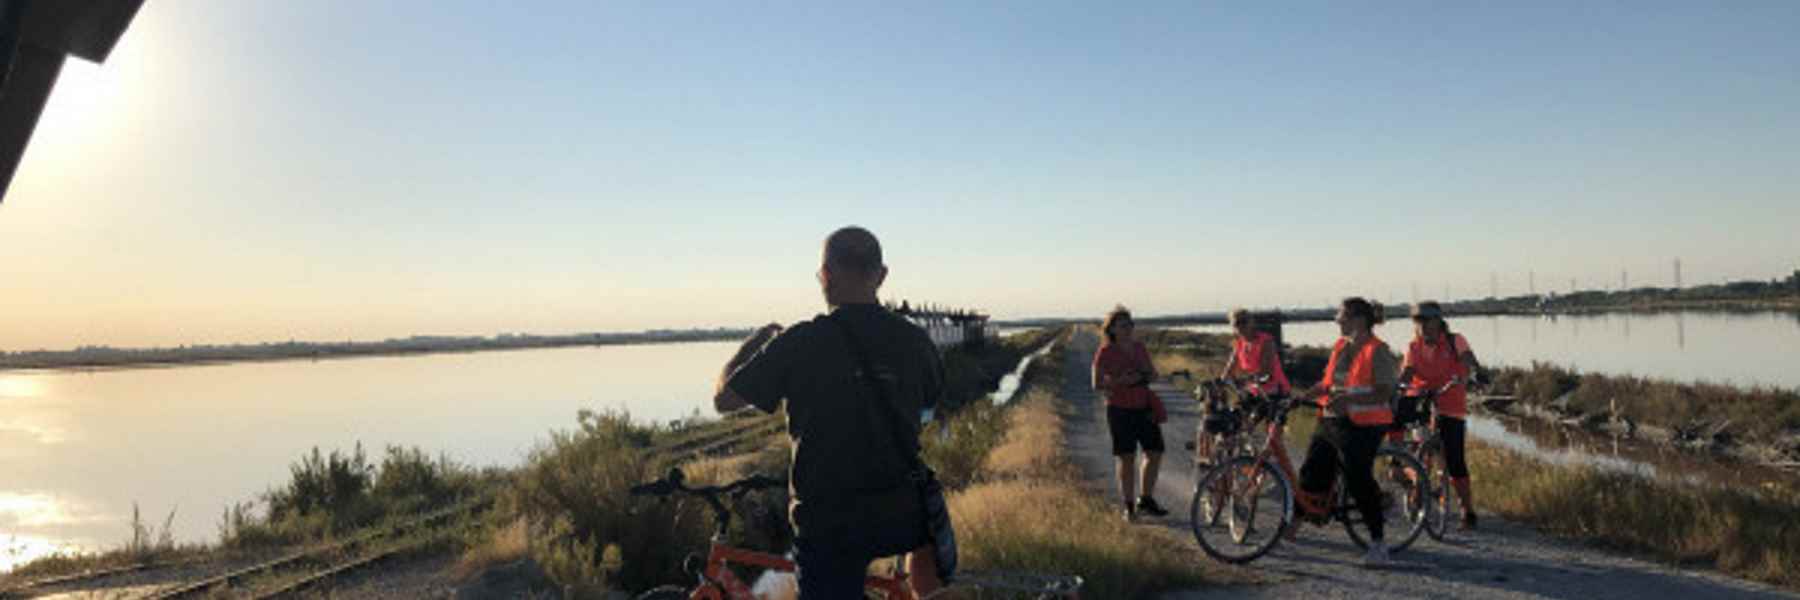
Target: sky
(333,170)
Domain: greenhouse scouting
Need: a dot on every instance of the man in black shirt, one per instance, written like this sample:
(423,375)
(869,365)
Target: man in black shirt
(852,498)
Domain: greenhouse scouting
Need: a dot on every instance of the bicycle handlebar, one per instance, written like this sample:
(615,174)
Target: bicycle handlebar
(674,483)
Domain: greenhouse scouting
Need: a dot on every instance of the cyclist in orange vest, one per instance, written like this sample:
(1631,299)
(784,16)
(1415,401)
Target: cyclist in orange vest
(1354,414)
(1438,358)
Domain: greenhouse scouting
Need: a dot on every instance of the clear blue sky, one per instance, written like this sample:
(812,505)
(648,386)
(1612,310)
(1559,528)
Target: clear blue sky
(245,171)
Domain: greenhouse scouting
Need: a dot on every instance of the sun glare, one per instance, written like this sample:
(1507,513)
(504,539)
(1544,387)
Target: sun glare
(20,387)
(86,101)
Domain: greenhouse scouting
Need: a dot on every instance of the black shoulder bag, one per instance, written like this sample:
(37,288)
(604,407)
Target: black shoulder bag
(931,494)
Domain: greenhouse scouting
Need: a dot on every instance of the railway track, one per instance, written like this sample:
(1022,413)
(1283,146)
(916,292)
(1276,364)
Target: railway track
(318,566)
(322,555)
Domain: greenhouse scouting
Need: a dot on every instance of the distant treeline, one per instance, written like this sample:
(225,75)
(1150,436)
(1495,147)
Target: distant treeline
(106,356)
(1780,294)
(1774,293)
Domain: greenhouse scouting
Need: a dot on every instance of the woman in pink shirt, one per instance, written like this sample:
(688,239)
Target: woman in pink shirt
(1253,354)
(1122,371)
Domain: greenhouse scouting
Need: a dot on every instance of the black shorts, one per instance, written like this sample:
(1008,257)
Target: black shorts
(1132,429)
(1453,430)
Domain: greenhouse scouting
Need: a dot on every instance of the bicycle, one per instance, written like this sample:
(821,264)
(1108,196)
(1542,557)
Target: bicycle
(716,579)
(1253,485)
(1240,477)
(1421,439)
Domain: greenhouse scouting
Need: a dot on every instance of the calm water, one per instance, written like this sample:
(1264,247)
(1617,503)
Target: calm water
(1745,349)
(78,448)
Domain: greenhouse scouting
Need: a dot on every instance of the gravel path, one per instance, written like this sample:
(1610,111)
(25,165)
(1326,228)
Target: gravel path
(1502,560)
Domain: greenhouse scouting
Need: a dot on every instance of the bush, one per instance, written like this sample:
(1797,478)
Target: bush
(573,493)
(335,485)
(331,493)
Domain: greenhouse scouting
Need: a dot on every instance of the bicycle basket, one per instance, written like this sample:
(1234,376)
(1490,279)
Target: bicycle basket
(1225,421)
(1409,410)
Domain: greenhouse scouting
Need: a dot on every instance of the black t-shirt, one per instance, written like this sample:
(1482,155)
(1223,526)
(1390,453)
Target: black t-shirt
(843,446)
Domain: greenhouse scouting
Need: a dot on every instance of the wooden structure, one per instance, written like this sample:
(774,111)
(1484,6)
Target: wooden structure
(949,327)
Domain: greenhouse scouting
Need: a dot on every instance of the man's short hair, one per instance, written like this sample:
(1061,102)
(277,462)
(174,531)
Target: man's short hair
(853,249)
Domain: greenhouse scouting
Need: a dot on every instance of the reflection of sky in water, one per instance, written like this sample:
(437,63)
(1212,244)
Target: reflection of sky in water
(78,448)
(37,524)
(1743,349)
(1009,384)
(16,549)
(1493,431)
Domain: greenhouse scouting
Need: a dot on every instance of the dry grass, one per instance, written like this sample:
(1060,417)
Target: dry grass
(1029,432)
(1747,536)
(501,546)
(1030,513)
(1051,526)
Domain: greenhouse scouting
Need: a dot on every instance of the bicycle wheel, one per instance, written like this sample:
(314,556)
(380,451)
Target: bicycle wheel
(1438,498)
(1401,484)
(667,592)
(1240,509)
(1220,455)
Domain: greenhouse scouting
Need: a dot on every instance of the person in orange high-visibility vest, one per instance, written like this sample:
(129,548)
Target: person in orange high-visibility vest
(1440,360)
(1354,414)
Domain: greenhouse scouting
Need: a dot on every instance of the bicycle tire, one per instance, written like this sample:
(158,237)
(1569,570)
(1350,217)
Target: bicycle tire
(667,592)
(1219,491)
(1401,469)
(1438,494)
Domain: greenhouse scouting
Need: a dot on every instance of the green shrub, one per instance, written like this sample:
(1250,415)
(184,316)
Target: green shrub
(336,484)
(332,493)
(573,493)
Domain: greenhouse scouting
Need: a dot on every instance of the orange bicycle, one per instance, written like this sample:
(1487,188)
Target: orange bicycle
(718,581)
(1419,437)
(1245,502)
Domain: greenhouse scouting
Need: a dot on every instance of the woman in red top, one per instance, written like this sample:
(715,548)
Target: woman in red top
(1440,360)
(1253,353)
(1123,371)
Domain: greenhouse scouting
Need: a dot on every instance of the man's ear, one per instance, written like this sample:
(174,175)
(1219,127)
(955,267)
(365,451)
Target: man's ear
(881,275)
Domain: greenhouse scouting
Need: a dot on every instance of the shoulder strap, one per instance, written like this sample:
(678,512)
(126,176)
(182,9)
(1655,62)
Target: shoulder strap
(909,448)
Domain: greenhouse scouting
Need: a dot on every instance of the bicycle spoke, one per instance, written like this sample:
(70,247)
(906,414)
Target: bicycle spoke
(1240,510)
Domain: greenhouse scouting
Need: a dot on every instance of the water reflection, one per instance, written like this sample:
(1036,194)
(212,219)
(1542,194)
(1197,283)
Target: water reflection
(1659,345)
(1680,331)
(1562,445)
(1009,384)
(1566,452)
(79,449)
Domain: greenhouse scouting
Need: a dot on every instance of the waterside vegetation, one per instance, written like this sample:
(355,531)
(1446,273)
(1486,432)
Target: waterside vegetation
(1750,533)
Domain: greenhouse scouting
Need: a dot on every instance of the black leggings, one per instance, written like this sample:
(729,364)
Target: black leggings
(1453,430)
(1339,443)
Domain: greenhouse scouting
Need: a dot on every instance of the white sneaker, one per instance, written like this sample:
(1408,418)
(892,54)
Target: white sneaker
(1377,556)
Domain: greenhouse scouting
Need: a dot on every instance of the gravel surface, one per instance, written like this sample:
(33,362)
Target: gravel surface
(1502,560)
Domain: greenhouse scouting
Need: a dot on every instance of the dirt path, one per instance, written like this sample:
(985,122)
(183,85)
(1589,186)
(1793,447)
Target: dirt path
(1504,560)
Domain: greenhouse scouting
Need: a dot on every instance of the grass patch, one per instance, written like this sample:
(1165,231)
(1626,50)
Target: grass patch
(332,494)
(1053,526)
(1028,512)
(1740,534)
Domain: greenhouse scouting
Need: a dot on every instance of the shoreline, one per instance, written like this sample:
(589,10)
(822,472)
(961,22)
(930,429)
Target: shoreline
(90,366)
